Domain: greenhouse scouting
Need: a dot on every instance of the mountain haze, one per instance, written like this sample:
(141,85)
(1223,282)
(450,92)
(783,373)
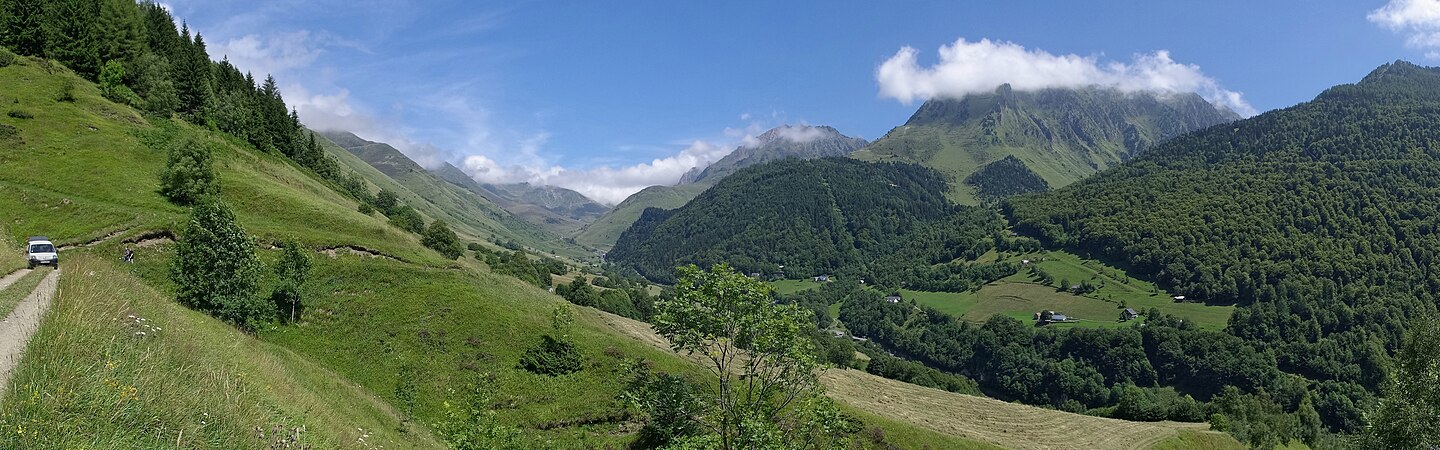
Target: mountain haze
(1062,135)
(556,209)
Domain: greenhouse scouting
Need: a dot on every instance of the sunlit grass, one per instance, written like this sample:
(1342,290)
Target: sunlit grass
(118,365)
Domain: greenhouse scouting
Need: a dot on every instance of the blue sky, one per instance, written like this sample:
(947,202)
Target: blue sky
(609,97)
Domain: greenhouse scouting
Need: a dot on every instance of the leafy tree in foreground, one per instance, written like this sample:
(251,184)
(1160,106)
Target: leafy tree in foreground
(760,355)
(188,175)
(215,269)
(1409,414)
(291,270)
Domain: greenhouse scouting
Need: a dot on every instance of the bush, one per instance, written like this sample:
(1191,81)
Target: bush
(404,217)
(366,209)
(554,355)
(440,238)
(67,91)
(6,58)
(551,357)
(215,269)
(20,114)
(188,176)
(112,85)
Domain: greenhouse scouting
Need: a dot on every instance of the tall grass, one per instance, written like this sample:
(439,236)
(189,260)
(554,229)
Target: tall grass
(117,365)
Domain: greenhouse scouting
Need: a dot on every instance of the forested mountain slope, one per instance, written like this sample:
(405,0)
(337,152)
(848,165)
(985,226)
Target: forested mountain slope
(783,142)
(801,218)
(1319,220)
(1062,135)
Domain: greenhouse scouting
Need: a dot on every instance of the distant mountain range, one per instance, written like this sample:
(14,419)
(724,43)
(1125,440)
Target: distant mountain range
(557,210)
(1060,135)
(780,143)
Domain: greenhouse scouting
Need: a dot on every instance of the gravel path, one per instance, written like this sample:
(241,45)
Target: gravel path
(15,330)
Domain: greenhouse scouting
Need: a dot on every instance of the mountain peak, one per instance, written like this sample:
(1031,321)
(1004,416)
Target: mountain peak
(782,142)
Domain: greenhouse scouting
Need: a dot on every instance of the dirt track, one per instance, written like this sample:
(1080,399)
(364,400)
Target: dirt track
(15,330)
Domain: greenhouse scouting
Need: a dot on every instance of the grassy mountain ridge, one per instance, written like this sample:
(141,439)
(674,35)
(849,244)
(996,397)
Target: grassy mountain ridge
(467,212)
(1061,134)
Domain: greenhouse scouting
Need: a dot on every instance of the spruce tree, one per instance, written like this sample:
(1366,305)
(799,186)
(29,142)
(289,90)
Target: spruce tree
(22,26)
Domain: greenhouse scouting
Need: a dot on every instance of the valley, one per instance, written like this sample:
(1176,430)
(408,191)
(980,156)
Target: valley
(1050,251)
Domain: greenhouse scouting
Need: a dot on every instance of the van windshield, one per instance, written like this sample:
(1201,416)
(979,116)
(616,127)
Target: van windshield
(42,248)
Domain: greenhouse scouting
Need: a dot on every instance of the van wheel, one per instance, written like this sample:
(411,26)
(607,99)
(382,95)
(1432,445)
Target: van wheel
(32,265)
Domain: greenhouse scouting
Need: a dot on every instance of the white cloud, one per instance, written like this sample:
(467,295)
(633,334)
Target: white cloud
(609,185)
(800,134)
(1418,19)
(270,54)
(976,67)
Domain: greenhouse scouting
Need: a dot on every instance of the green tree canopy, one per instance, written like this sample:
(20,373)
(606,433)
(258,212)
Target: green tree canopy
(758,351)
(215,268)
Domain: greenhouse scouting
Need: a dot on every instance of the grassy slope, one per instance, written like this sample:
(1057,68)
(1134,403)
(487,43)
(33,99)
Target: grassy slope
(604,231)
(1020,296)
(472,216)
(12,255)
(90,381)
(956,152)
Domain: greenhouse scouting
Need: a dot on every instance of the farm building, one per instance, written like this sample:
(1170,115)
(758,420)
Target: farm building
(822,278)
(893,299)
(1047,316)
(1179,298)
(1128,314)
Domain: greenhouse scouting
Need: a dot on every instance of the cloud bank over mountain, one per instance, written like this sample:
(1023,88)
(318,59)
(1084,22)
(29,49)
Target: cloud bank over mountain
(966,67)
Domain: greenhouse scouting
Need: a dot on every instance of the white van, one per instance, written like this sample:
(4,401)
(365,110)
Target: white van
(40,251)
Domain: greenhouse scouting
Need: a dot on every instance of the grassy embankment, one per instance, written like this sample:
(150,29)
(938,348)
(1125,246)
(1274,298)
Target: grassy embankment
(90,379)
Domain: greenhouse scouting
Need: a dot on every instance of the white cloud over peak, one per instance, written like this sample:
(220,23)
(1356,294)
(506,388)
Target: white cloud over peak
(800,134)
(967,67)
(609,185)
(1418,19)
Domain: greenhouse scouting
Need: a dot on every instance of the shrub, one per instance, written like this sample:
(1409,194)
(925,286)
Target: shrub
(215,269)
(404,217)
(6,58)
(20,114)
(366,209)
(188,175)
(67,91)
(554,355)
(112,84)
(551,357)
(440,238)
